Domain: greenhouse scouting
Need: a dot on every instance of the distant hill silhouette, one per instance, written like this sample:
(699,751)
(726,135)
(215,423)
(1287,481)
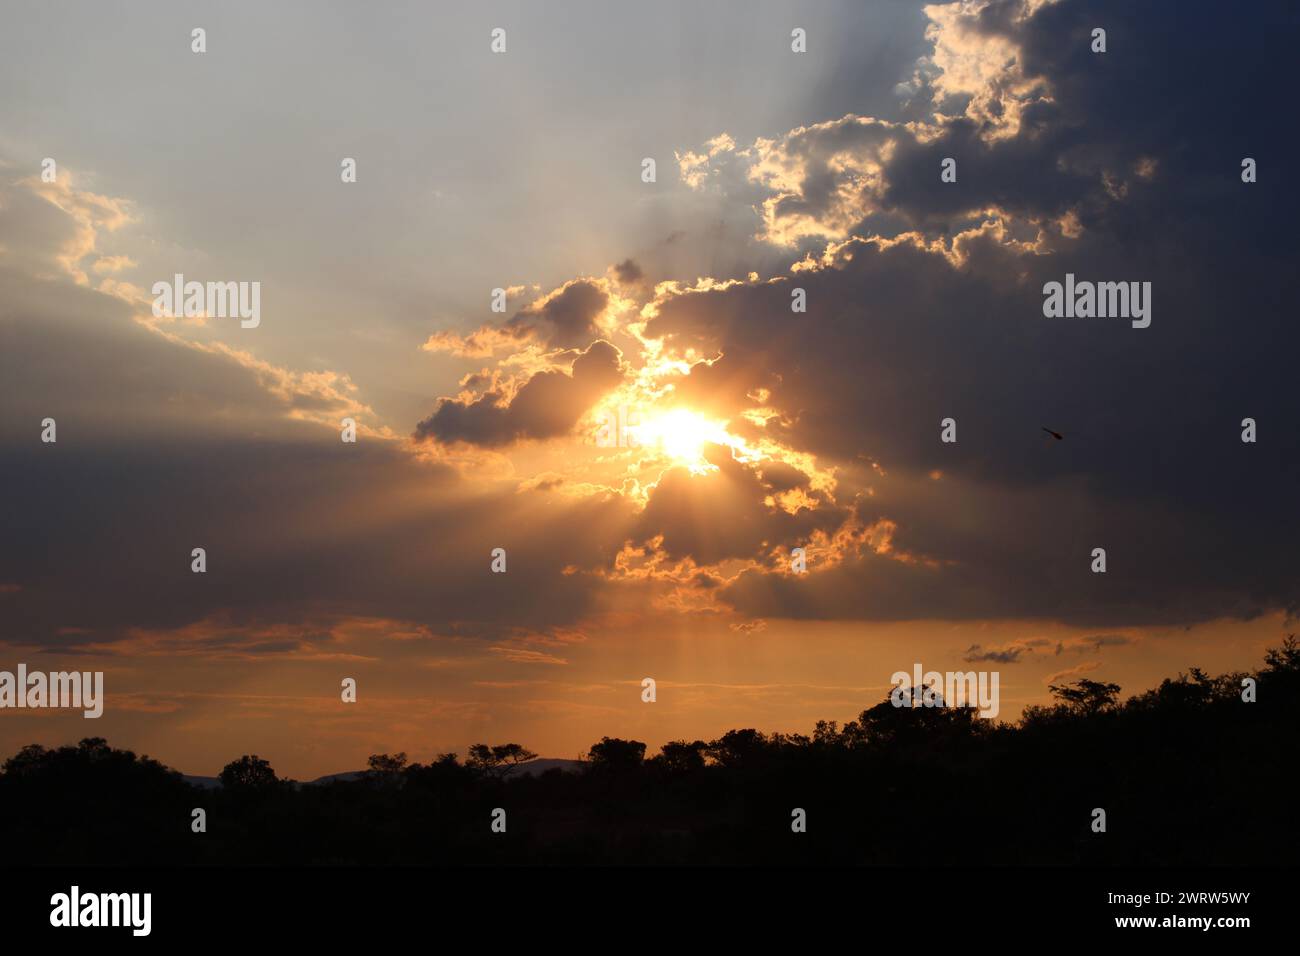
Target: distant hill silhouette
(541,765)
(1188,773)
(531,768)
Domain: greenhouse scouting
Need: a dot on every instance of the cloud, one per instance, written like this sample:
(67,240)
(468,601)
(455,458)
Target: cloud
(48,229)
(548,405)
(111,264)
(165,445)
(1078,670)
(1014,651)
(1009,654)
(924,302)
(566,318)
(728,513)
(628,272)
(517,655)
(1011,91)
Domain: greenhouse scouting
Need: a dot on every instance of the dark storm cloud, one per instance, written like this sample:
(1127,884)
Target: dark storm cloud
(1144,145)
(1152,467)
(1196,92)
(1056,128)
(548,405)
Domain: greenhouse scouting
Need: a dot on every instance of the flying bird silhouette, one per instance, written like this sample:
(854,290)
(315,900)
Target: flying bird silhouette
(1057,435)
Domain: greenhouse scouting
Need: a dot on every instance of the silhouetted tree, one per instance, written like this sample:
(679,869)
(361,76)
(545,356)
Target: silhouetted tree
(1284,658)
(497,762)
(386,769)
(442,774)
(250,773)
(1194,690)
(91,803)
(678,756)
(1169,760)
(1086,697)
(30,760)
(737,748)
(826,733)
(613,754)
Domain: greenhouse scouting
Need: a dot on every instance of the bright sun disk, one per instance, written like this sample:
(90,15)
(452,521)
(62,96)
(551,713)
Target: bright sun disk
(681,434)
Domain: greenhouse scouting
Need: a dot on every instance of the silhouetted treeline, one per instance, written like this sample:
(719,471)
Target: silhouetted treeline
(1186,773)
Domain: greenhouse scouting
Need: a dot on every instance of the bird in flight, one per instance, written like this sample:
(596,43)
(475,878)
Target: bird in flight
(1057,435)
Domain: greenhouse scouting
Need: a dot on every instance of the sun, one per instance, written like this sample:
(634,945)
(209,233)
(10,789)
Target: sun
(681,434)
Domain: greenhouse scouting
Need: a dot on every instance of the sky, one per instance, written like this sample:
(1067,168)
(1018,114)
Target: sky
(660,547)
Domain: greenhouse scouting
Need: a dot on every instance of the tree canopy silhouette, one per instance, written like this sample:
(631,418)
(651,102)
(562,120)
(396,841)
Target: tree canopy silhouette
(1165,763)
(497,762)
(248,773)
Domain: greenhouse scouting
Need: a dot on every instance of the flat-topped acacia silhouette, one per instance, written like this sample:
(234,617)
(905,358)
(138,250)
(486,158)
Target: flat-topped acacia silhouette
(1188,772)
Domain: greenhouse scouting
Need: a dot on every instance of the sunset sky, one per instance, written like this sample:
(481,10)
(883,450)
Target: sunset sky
(760,429)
